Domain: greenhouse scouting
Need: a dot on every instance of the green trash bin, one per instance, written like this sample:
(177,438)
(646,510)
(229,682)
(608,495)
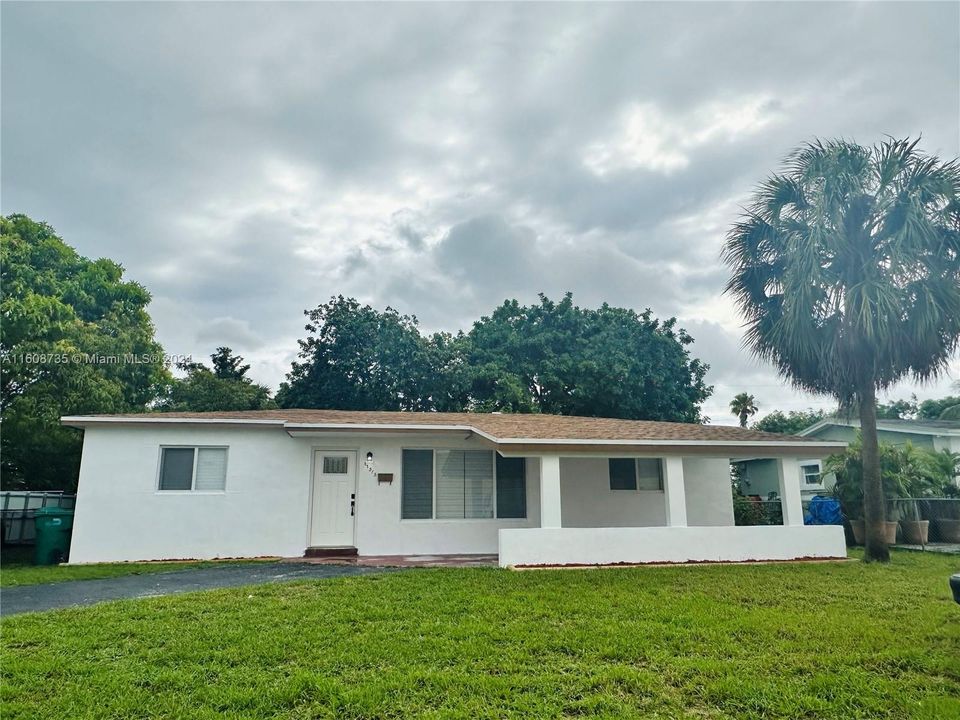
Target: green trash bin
(54,527)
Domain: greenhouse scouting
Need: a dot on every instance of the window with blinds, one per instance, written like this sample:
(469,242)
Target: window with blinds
(462,485)
(623,473)
(649,474)
(176,469)
(635,474)
(211,469)
(416,481)
(511,487)
(201,469)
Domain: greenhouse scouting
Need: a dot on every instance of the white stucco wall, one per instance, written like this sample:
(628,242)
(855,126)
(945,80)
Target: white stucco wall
(709,495)
(120,515)
(586,499)
(265,507)
(264,510)
(380,531)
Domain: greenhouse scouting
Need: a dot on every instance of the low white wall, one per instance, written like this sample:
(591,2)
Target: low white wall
(606,546)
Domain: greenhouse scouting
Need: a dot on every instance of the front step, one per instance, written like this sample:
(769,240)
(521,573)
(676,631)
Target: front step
(330,552)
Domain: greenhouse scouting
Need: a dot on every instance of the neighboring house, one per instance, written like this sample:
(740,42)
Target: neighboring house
(535,489)
(760,475)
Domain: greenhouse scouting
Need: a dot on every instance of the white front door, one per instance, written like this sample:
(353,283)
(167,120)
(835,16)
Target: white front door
(333,498)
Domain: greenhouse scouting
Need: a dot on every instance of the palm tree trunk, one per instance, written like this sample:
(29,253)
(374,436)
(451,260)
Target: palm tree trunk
(874,514)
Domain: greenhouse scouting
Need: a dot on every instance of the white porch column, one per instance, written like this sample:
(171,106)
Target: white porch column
(674,492)
(550,491)
(788,473)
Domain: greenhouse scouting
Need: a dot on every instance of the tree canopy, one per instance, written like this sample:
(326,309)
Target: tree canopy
(945,408)
(224,387)
(551,357)
(357,358)
(556,357)
(75,337)
(846,267)
(789,423)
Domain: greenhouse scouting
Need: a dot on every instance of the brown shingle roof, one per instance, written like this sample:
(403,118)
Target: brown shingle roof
(498,426)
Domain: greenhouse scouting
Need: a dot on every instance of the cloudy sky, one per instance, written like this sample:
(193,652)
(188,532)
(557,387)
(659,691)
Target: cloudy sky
(247,161)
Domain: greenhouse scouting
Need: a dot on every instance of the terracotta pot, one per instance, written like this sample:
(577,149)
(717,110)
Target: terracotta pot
(915,532)
(949,530)
(860,533)
(890,533)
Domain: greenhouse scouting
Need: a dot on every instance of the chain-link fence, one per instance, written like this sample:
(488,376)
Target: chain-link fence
(927,521)
(18,508)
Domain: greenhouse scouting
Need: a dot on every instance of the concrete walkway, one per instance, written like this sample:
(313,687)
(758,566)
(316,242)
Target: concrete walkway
(402,561)
(71,593)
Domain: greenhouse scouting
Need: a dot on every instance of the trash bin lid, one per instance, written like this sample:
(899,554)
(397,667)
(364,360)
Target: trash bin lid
(54,511)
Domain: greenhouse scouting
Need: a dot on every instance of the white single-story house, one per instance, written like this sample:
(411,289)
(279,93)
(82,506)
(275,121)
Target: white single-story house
(760,475)
(532,489)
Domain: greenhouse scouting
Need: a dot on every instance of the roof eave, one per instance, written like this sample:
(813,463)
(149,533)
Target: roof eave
(506,445)
(83,421)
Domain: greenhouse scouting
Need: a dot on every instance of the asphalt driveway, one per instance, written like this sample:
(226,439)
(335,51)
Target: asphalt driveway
(36,598)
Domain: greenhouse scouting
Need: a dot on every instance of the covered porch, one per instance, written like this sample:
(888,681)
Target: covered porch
(670,508)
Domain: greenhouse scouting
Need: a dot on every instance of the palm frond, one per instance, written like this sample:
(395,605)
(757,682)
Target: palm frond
(846,266)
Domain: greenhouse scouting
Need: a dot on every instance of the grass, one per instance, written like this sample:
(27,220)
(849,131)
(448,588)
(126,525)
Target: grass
(801,640)
(17,568)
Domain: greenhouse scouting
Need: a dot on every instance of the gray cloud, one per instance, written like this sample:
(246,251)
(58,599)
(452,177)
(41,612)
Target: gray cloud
(246,161)
(235,334)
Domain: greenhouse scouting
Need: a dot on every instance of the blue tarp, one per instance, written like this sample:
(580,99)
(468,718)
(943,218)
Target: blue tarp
(823,511)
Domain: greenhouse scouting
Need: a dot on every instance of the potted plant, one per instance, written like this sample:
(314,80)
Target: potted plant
(925,474)
(914,474)
(948,520)
(848,489)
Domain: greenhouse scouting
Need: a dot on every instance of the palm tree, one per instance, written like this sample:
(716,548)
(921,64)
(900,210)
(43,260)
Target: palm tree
(846,267)
(743,406)
(953,411)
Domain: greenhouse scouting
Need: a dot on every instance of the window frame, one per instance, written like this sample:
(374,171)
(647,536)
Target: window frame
(803,472)
(193,472)
(636,475)
(433,511)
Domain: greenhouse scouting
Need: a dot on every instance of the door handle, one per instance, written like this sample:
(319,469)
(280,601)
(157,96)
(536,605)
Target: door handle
(353,503)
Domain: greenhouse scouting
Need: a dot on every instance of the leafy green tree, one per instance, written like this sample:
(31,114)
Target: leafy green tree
(950,413)
(555,357)
(847,270)
(551,357)
(225,387)
(947,408)
(356,358)
(228,366)
(743,406)
(898,409)
(789,423)
(75,338)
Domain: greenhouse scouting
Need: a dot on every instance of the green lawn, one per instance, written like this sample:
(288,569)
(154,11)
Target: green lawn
(765,641)
(17,568)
